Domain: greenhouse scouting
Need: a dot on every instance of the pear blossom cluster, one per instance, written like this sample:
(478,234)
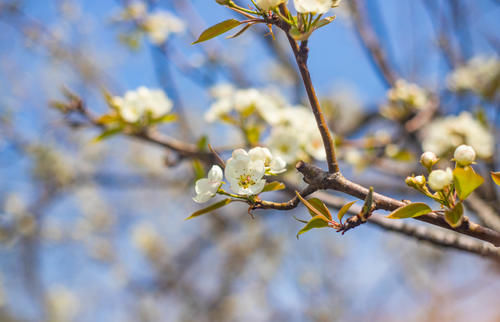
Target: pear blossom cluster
(294,134)
(479,75)
(141,103)
(443,135)
(245,173)
(158,25)
(302,6)
(403,99)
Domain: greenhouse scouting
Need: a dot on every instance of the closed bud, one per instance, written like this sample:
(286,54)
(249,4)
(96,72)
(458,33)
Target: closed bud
(420,180)
(439,179)
(428,159)
(464,155)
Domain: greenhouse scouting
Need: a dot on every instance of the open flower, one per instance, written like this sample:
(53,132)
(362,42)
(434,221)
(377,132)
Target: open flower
(206,188)
(314,6)
(273,165)
(269,4)
(244,174)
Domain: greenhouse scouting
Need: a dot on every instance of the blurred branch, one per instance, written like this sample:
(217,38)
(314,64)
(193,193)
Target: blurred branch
(371,44)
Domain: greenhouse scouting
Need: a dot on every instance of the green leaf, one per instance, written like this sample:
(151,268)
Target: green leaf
(414,209)
(302,221)
(323,22)
(199,171)
(165,119)
(239,33)
(318,221)
(367,206)
(107,119)
(454,216)
(344,210)
(108,133)
(321,210)
(319,205)
(274,186)
(217,30)
(202,143)
(210,208)
(496,177)
(466,181)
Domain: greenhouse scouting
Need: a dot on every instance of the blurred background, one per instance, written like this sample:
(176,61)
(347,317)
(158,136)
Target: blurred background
(95,231)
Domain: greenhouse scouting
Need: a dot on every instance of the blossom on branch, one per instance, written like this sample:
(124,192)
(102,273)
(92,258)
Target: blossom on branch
(246,176)
(206,188)
(141,103)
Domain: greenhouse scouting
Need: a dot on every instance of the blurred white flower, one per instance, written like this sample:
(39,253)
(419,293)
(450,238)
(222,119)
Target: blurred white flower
(244,174)
(479,74)
(464,155)
(403,99)
(443,135)
(273,164)
(206,188)
(284,142)
(159,25)
(313,144)
(269,4)
(62,304)
(438,179)
(137,104)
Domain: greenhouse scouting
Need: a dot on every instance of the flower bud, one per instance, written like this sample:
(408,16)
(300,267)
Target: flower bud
(464,155)
(428,159)
(420,180)
(438,179)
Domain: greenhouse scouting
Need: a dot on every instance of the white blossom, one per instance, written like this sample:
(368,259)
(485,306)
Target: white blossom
(464,155)
(206,188)
(161,24)
(273,164)
(269,4)
(314,6)
(403,99)
(244,174)
(443,135)
(137,104)
(438,179)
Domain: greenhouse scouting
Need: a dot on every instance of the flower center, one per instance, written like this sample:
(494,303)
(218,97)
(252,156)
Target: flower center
(245,181)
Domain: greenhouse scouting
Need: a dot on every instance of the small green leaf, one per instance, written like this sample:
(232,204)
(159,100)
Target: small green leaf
(466,181)
(217,30)
(454,216)
(239,33)
(274,186)
(165,119)
(202,143)
(344,209)
(319,205)
(321,210)
(302,221)
(318,221)
(107,119)
(199,171)
(414,209)
(324,22)
(210,208)
(108,133)
(496,177)
(367,206)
